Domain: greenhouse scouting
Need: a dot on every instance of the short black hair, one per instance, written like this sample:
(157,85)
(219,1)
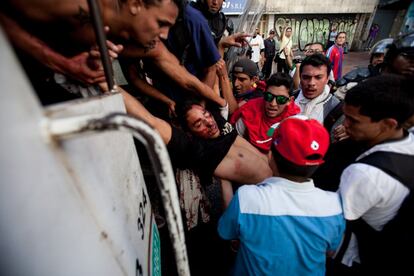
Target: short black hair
(316,60)
(385,96)
(318,43)
(281,79)
(287,167)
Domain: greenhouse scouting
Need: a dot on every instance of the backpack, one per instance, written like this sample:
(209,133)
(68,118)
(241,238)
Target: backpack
(332,111)
(389,251)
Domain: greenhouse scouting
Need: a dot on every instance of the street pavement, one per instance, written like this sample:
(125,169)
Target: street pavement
(353,60)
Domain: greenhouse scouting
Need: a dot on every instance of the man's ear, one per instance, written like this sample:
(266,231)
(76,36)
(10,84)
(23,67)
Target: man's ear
(255,79)
(134,6)
(389,124)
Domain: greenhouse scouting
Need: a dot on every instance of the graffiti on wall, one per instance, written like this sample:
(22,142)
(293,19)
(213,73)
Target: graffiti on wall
(307,29)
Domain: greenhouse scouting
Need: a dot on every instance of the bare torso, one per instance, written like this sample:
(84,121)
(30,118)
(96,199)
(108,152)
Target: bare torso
(244,164)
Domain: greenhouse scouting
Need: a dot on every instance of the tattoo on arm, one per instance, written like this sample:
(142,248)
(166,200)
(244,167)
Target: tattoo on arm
(83,16)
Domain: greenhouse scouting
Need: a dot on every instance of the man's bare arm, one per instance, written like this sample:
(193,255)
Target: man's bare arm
(296,77)
(234,40)
(170,65)
(224,82)
(289,57)
(149,90)
(210,76)
(76,67)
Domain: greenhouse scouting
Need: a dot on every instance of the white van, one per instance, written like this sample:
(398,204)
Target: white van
(72,196)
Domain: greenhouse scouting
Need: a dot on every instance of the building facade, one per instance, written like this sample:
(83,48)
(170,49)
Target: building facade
(311,20)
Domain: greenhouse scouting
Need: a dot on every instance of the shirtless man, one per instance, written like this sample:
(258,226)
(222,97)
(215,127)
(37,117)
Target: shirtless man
(218,148)
(44,30)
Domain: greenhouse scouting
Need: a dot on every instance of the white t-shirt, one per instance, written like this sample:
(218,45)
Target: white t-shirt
(333,35)
(370,193)
(257,45)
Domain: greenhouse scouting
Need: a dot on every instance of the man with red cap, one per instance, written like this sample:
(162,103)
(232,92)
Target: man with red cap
(286,225)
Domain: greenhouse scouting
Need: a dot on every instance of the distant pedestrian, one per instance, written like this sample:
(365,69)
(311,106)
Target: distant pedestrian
(371,36)
(285,50)
(257,44)
(332,36)
(269,54)
(336,54)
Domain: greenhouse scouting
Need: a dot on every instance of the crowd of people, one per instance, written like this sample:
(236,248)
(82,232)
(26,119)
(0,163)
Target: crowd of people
(296,160)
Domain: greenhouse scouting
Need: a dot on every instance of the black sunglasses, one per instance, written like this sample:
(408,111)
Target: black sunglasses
(268,97)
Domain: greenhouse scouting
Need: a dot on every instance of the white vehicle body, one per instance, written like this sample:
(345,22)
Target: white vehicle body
(77,205)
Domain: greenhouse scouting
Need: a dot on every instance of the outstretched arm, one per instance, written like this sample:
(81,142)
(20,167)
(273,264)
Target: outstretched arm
(289,55)
(170,65)
(135,108)
(226,90)
(76,67)
(296,77)
(149,90)
(234,40)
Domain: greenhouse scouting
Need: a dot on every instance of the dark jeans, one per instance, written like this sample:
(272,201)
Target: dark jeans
(267,67)
(282,66)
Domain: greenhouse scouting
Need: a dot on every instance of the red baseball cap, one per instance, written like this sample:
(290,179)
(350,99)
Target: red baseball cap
(301,140)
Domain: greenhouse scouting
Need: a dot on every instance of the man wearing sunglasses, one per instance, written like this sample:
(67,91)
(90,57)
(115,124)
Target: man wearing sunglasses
(254,119)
